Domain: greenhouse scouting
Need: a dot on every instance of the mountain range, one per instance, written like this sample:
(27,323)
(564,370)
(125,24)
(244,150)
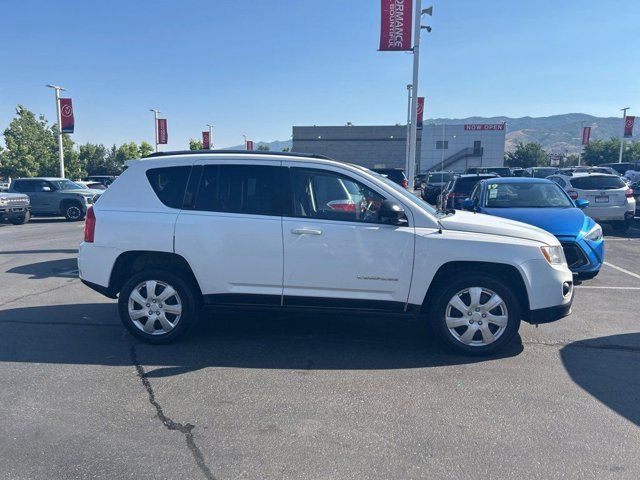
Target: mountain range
(556,133)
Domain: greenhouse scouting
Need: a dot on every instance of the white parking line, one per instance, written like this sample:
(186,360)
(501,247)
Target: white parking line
(620,269)
(608,288)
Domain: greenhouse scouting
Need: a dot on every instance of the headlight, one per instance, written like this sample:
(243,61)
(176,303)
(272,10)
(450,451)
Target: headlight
(595,233)
(553,255)
(3,201)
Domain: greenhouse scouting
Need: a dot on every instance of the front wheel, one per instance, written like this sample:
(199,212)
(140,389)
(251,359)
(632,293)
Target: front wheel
(157,306)
(21,220)
(73,212)
(621,226)
(476,315)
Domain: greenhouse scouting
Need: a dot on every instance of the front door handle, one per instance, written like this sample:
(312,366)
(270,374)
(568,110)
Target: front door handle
(306,231)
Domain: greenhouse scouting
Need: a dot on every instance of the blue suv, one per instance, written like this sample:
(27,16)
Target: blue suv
(544,204)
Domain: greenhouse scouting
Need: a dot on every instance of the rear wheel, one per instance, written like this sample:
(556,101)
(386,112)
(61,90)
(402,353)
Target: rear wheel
(157,306)
(21,220)
(476,315)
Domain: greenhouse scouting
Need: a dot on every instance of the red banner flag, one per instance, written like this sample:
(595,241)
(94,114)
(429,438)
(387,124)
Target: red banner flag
(628,126)
(395,25)
(163,135)
(66,115)
(249,144)
(420,111)
(206,141)
(586,134)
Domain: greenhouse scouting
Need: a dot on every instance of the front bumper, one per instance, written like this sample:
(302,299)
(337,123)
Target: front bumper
(549,314)
(9,212)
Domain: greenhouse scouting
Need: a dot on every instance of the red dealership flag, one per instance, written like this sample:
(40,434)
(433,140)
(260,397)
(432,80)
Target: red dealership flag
(66,115)
(249,144)
(420,112)
(628,126)
(163,135)
(395,25)
(206,144)
(586,134)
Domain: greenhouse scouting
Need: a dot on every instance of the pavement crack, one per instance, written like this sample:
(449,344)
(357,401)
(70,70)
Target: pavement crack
(65,285)
(186,429)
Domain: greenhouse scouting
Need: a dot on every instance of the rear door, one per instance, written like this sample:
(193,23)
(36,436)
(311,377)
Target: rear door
(230,231)
(337,254)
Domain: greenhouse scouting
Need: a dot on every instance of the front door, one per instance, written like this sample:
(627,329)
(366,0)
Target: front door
(336,253)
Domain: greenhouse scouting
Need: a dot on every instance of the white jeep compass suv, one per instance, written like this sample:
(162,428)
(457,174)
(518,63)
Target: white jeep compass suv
(179,232)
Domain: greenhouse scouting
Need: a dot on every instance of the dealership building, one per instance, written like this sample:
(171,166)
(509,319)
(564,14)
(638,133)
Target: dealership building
(446,146)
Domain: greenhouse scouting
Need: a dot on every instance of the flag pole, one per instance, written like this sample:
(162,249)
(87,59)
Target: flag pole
(624,121)
(60,150)
(155,124)
(409,87)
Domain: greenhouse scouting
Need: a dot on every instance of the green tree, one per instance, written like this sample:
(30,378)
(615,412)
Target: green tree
(31,147)
(608,151)
(527,155)
(195,144)
(145,149)
(94,157)
(264,148)
(286,149)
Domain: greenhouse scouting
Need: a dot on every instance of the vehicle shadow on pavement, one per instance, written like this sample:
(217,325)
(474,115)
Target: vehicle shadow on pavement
(92,334)
(608,368)
(64,268)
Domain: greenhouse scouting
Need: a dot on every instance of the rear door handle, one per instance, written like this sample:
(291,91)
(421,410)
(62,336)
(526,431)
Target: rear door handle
(306,231)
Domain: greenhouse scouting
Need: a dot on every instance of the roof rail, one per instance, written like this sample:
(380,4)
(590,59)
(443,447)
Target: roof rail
(237,152)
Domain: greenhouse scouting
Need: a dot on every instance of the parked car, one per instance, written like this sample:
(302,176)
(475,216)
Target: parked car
(636,195)
(458,189)
(610,198)
(55,196)
(622,167)
(4,186)
(539,172)
(91,185)
(435,183)
(575,170)
(396,175)
(517,171)
(500,171)
(105,180)
(15,208)
(178,231)
(546,205)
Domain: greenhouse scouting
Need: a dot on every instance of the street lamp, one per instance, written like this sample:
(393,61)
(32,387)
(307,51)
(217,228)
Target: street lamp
(417,27)
(155,124)
(409,88)
(245,141)
(60,151)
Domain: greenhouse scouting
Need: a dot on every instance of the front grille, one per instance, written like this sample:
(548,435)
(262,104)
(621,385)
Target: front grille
(574,254)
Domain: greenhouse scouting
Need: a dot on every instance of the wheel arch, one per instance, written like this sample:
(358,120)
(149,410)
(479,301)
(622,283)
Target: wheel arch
(66,201)
(502,271)
(132,262)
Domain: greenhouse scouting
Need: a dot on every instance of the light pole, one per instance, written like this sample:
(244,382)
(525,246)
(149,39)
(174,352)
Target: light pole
(155,124)
(409,87)
(582,144)
(60,151)
(245,141)
(414,98)
(624,121)
(210,136)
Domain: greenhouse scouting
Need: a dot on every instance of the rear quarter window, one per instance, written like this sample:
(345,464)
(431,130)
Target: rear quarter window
(169,184)
(597,183)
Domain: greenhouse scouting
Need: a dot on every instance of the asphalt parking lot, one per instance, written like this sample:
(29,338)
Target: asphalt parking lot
(293,396)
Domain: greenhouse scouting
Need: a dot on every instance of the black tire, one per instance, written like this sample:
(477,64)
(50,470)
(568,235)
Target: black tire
(451,287)
(588,276)
(21,220)
(188,300)
(73,211)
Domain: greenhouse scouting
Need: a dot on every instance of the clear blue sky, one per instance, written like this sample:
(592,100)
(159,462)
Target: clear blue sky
(260,66)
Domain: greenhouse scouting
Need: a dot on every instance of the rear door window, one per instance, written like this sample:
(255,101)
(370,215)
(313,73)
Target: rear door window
(246,189)
(169,184)
(597,183)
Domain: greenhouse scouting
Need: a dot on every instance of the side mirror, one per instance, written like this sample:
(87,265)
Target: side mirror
(46,189)
(392,213)
(468,204)
(581,203)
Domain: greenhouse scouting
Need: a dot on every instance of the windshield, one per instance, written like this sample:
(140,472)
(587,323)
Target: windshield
(597,183)
(439,177)
(526,195)
(66,185)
